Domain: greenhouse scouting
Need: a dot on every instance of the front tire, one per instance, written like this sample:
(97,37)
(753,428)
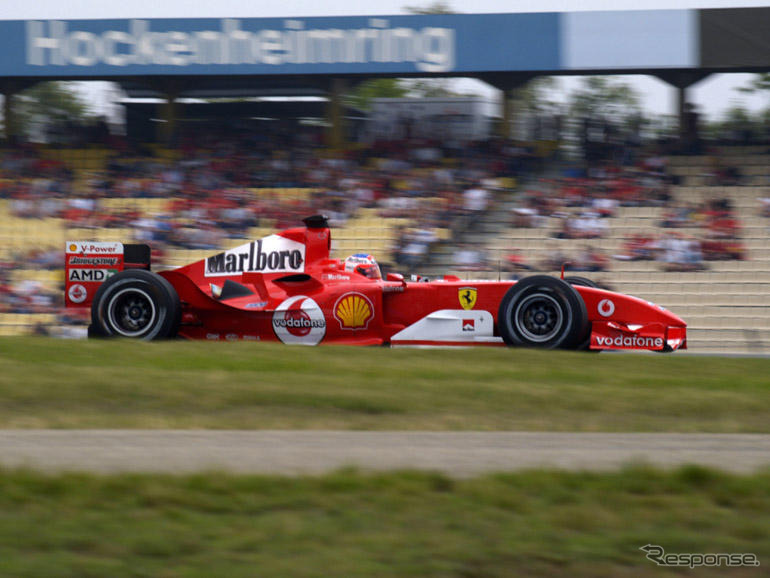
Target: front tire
(581,281)
(135,304)
(543,312)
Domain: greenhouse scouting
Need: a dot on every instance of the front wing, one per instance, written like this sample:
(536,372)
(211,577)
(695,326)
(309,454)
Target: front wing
(653,336)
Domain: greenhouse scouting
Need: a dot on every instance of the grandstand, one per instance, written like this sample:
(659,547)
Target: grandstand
(32,239)
(731,316)
(726,306)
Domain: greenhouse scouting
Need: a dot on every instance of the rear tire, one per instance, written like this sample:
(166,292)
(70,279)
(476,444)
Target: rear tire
(93,332)
(543,312)
(135,304)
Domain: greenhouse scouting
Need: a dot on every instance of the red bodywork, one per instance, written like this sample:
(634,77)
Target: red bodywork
(286,288)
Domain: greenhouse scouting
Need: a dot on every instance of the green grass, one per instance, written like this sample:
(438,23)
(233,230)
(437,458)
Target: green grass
(110,384)
(400,525)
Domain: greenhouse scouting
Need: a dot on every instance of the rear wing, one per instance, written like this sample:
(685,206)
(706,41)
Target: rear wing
(87,264)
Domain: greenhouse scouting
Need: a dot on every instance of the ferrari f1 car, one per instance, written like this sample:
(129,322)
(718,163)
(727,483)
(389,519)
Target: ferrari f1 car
(285,287)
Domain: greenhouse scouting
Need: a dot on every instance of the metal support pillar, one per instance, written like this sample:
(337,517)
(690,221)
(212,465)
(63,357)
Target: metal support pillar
(167,129)
(504,129)
(507,83)
(682,80)
(168,110)
(10,128)
(335,134)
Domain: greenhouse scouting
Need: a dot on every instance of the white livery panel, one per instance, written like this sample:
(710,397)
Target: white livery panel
(450,327)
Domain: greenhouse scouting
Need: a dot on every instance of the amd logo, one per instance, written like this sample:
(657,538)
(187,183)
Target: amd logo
(97,275)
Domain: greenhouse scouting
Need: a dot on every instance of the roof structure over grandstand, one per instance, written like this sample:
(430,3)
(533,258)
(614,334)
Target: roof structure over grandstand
(175,58)
(223,53)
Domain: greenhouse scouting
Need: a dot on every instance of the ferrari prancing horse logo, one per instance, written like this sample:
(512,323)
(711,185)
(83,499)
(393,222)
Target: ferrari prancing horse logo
(467,297)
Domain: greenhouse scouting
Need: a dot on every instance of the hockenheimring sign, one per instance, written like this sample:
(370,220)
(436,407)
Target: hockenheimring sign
(430,49)
(428,44)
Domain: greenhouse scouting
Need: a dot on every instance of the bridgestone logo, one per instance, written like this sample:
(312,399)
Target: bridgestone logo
(299,323)
(93,261)
(273,254)
(630,341)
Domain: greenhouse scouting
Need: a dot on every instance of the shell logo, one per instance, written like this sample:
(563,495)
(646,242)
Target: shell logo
(73,248)
(353,311)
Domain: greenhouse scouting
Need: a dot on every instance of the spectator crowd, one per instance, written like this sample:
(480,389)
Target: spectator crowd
(219,183)
(582,202)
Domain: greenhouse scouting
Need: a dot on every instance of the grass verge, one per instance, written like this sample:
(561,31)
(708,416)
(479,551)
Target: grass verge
(402,524)
(122,384)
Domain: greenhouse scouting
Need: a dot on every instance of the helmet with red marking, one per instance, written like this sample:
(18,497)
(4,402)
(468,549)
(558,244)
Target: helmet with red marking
(363,264)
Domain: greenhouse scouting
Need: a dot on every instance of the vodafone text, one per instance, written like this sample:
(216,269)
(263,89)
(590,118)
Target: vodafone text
(629,341)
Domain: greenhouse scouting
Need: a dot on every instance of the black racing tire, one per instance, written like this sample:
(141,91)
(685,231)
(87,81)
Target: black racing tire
(135,304)
(94,333)
(581,281)
(543,312)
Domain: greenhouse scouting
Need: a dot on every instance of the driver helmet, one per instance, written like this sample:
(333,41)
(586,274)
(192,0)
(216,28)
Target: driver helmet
(363,264)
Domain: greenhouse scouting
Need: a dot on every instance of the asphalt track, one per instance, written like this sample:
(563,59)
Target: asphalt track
(314,452)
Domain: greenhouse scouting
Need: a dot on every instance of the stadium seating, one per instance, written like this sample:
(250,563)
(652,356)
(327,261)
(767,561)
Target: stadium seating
(364,231)
(726,305)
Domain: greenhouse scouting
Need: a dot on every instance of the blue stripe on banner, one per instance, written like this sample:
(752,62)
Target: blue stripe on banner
(452,43)
(344,45)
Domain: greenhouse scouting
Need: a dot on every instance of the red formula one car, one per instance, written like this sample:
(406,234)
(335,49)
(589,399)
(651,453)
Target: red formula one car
(284,287)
